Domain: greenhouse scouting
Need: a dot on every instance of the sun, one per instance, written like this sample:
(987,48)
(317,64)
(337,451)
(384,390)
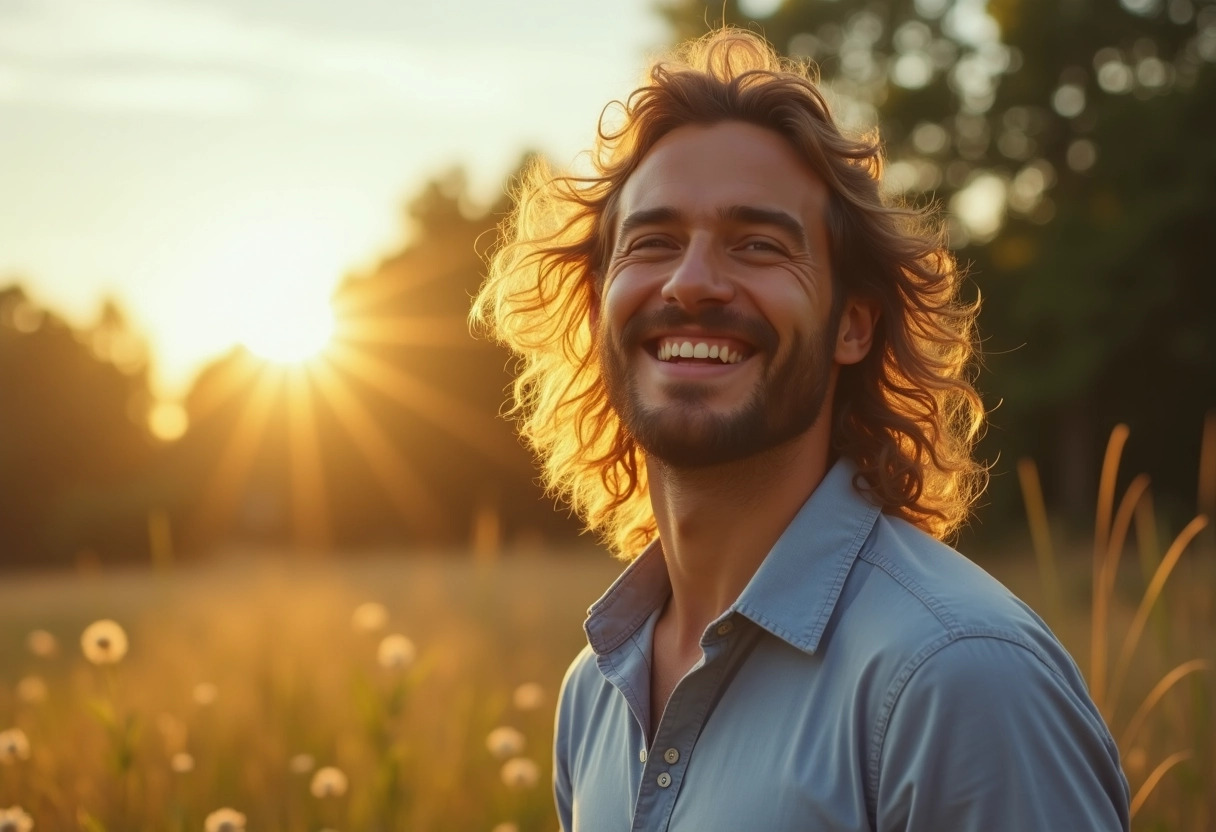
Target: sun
(289,329)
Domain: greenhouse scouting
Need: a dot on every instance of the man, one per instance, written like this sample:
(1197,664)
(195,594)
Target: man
(730,340)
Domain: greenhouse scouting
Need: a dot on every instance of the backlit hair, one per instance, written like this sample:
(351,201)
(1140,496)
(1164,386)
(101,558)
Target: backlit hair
(907,414)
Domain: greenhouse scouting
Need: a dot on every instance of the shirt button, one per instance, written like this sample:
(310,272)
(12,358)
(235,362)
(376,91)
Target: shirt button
(725,627)
(664,780)
(671,756)
(642,755)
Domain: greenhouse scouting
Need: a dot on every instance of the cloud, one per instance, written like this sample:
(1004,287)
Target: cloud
(187,58)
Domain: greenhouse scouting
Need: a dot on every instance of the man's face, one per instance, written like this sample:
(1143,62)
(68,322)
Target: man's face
(714,332)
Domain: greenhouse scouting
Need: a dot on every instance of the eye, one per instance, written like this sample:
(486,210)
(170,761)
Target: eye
(651,242)
(762,246)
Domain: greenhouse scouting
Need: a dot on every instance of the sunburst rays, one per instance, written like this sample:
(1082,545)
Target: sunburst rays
(337,384)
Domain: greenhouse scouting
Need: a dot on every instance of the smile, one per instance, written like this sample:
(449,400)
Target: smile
(677,349)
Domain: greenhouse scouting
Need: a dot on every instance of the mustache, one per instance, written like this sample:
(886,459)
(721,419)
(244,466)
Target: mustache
(717,319)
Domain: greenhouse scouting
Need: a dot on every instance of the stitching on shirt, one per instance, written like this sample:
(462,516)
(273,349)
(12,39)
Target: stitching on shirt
(809,641)
(910,667)
(931,602)
(862,533)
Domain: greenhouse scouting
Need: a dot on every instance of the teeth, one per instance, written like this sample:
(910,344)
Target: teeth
(686,349)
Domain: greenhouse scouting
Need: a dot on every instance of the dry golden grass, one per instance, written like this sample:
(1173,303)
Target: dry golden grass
(246,677)
(245,664)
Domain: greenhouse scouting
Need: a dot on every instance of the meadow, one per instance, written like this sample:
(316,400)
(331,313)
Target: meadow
(415,690)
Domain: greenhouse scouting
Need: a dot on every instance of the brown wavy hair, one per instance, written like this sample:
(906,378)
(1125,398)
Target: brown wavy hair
(907,415)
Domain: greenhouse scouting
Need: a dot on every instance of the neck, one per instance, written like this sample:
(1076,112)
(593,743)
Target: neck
(718,523)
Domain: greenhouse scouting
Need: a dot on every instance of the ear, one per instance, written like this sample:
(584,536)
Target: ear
(855,334)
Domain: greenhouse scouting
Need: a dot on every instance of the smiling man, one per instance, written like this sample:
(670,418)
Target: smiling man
(749,373)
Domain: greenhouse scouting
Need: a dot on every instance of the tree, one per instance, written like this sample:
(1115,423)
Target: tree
(72,418)
(1074,144)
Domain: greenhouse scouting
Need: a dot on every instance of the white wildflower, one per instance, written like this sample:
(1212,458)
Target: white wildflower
(31,690)
(15,819)
(14,746)
(396,652)
(505,742)
(104,642)
(301,763)
(529,696)
(42,643)
(225,820)
(520,773)
(370,617)
(328,782)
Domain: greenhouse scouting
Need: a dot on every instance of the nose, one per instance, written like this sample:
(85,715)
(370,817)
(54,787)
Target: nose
(698,279)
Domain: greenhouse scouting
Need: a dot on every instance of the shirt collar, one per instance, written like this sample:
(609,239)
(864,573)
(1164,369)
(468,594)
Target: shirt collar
(793,593)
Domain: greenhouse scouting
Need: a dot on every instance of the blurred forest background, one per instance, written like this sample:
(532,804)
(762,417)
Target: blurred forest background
(1073,146)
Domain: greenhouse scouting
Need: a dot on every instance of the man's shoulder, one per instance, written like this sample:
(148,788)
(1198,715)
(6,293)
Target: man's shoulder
(910,594)
(581,676)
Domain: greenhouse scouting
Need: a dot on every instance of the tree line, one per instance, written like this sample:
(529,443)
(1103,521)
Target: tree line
(1072,145)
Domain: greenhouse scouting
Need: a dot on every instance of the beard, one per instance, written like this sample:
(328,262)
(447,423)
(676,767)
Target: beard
(687,432)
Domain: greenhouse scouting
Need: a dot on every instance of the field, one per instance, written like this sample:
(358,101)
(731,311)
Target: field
(250,680)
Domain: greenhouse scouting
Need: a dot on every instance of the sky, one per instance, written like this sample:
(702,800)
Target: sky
(215,165)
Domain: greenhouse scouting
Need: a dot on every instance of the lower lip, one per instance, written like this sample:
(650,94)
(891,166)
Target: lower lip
(681,369)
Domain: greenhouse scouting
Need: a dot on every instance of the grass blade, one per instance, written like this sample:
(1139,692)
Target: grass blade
(1102,528)
(1159,690)
(1132,639)
(1040,533)
(1142,794)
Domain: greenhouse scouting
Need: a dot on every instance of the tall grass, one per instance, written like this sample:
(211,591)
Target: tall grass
(276,690)
(1159,707)
(244,680)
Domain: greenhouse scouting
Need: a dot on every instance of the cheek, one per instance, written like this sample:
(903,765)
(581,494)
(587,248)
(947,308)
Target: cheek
(622,298)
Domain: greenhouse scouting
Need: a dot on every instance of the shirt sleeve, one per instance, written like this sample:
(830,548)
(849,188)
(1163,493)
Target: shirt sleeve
(563,791)
(985,734)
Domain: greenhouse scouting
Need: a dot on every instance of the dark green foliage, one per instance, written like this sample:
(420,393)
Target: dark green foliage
(1099,304)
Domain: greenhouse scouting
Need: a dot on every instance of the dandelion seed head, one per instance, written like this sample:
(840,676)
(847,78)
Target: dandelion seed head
(225,820)
(301,764)
(370,617)
(104,642)
(520,773)
(204,694)
(42,643)
(328,782)
(31,690)
(505,742)
(14,746)
(15,819)
(182,762)
(396,652)
(529,696)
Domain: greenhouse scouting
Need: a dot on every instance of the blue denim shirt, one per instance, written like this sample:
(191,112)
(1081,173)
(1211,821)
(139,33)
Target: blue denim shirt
(868,678)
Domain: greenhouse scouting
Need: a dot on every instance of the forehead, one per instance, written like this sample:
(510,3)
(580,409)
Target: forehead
(697,170)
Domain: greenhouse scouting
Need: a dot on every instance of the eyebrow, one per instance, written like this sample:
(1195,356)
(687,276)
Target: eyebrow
(742,214)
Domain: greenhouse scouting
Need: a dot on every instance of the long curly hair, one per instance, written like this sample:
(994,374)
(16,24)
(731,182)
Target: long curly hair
(907,415)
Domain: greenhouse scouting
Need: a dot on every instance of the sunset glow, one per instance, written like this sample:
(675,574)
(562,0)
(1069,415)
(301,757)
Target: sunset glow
(291,331)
